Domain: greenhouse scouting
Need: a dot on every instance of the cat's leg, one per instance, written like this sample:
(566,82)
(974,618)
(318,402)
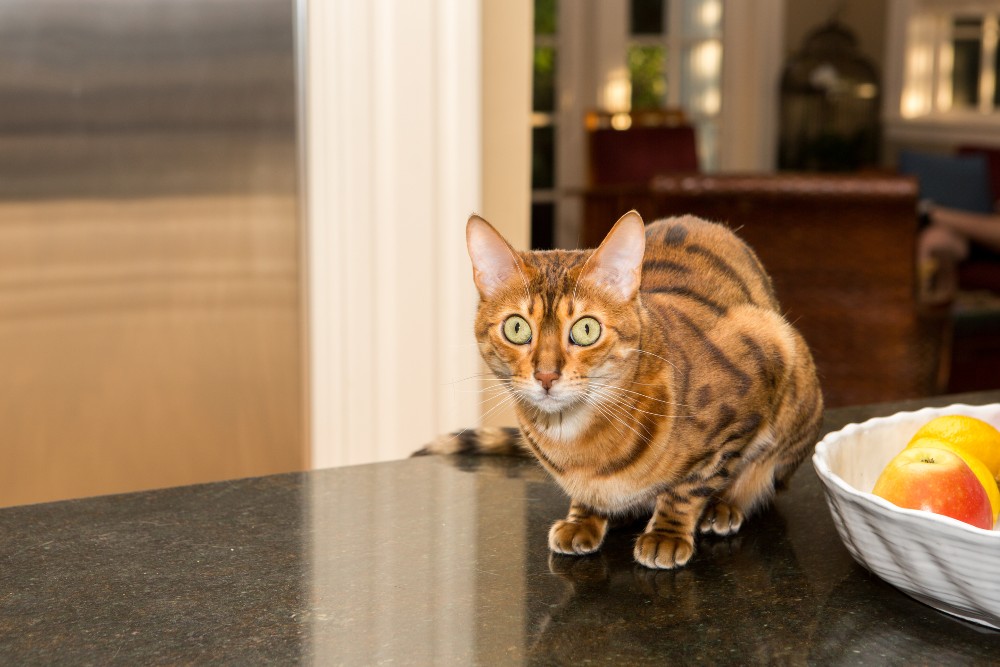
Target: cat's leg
(767,462)
(668,540)
(786,382)
(748,470)
(721,518)
(752,488)
(581,532)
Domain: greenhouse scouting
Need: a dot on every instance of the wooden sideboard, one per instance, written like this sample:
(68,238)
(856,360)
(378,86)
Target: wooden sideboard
(842,253)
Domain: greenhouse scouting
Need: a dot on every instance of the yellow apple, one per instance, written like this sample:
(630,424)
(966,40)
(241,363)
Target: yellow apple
(935,480)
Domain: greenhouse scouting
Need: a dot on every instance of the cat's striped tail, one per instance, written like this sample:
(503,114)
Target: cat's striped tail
(502,441)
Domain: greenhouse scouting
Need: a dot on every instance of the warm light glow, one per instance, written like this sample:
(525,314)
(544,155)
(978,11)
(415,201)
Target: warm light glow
(913,105)
(987,73)
(916,98)
(946,63)
(618,91)
(710,13)
(706,59)
(866,91)
(621,121)
(711,102)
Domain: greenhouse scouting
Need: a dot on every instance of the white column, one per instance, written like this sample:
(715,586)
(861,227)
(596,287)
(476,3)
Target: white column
(391,138)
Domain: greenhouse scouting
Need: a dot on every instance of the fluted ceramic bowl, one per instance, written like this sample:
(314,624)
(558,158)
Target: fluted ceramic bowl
(942,562)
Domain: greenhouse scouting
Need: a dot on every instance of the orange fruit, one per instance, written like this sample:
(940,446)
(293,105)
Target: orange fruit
(978,467)
(973,436)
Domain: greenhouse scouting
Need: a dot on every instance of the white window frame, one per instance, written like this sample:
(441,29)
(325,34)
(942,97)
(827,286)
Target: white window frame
(752,59)
(916,105)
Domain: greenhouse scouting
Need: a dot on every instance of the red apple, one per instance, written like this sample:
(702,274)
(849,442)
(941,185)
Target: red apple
(935,480)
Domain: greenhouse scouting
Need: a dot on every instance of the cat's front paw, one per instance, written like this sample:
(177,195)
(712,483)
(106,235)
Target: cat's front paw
(722,519)
(663,552)
(575,537)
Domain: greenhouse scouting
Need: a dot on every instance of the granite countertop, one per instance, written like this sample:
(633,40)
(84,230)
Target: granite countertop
(440,561)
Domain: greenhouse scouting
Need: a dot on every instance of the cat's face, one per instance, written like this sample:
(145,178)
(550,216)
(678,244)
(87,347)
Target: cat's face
(558,325)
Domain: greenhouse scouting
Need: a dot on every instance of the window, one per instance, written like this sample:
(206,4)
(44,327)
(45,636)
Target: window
(951,61)
(674,59)
(543,121)
(616,56)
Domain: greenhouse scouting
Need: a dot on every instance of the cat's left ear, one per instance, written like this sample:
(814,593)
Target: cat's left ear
(617,263)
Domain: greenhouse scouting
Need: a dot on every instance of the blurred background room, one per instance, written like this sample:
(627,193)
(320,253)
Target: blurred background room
(232,231)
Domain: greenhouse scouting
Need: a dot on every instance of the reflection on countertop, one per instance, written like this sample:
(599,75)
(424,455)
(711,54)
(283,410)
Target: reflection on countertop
(440,561)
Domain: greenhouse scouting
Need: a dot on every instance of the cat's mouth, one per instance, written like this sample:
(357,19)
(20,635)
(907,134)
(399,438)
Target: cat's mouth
(551,404)
(552,401)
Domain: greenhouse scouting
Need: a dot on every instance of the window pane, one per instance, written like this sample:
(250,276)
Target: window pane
(543,158)
(543,96)
(965,74)
(967,48)
(646,65)
(708,145)
(996,86)
(702,18)
(543,226)
(701,73)
(546,17)
(647,17)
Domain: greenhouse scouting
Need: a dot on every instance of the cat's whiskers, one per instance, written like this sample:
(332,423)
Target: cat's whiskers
(503,383)
(620,416)
(492,397)
(477,376)
(493,387)
(619,400)
(608,391)
(637,393)
(507,400)
(489,391)
(663,359)
(626,410)
(609,417)
(609,377)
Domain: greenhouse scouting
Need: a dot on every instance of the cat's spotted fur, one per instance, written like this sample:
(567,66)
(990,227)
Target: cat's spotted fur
(695,400)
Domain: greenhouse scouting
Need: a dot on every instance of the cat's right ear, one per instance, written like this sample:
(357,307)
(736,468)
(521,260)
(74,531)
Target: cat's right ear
(494,262)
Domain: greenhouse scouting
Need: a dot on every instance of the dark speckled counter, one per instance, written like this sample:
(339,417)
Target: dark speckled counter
(440,561)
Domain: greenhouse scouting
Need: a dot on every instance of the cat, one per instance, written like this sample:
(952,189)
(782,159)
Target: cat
(654,375)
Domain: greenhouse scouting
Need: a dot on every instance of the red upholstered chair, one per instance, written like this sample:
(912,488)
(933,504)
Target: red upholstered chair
(650,143)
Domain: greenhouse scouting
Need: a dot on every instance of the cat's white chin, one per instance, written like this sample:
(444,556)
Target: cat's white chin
(551,405)
(566,424)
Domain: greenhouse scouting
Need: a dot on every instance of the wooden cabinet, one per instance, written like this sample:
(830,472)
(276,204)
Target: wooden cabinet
(842,253)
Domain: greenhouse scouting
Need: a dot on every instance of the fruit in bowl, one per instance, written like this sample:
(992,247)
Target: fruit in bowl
(975,437)
(978,468)
(935,480)
(948,564)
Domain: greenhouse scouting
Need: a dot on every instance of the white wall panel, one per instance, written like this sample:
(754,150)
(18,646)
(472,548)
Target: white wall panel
(392,146)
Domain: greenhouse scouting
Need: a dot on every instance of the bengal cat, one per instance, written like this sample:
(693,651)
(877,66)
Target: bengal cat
(654,375)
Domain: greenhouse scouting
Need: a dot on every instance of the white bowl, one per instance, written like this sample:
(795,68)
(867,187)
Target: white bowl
(942,562)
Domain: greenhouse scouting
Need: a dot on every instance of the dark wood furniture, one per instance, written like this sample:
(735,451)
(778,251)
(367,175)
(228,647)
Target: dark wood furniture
(631,148)
(842,253)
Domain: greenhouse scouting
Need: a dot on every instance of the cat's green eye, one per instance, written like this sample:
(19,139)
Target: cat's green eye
(517,330)
(585,332)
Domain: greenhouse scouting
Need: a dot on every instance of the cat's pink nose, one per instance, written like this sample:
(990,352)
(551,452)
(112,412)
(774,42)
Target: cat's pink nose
(546,378)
